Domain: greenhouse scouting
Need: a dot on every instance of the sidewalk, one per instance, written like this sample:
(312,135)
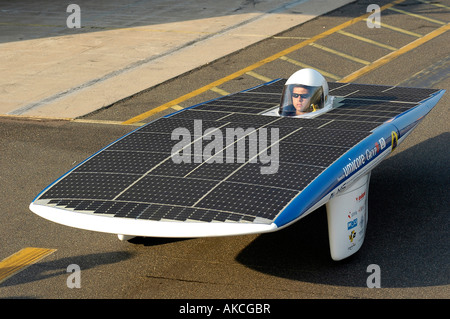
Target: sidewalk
(124,47)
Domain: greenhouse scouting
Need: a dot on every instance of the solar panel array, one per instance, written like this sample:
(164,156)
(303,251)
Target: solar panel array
(221,177)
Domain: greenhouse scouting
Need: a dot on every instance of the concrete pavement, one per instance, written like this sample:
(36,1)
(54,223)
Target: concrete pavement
(124,47)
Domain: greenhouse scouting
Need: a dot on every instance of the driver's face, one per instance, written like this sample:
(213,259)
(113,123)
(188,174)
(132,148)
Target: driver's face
(300,99)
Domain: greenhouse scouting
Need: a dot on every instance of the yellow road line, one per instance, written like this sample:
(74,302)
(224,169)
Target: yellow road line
(387,26)
(417,16)
(219,91)
(258,76)
(303,65)
(341,54)
(435,4)
(391,56)
(177,107)
(88,121)
(33,118)
(290,38)
(357,37)
(254,66)
(65,119)
(21,260)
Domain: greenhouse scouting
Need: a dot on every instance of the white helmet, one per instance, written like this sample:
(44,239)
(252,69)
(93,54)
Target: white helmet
(305,91)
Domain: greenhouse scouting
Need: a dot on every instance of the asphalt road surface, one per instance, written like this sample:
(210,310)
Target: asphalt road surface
(408,230)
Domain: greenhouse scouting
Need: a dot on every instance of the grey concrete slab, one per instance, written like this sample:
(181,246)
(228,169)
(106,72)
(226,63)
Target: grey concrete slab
(123,47)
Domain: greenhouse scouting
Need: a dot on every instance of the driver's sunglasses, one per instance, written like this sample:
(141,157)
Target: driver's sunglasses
(303,96)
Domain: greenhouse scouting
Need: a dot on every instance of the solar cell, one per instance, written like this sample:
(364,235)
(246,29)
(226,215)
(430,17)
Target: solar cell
(122,162)
(136,177)
(89,186)
(166,190)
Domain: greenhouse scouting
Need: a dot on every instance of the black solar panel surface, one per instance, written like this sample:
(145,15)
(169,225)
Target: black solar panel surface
(137,177)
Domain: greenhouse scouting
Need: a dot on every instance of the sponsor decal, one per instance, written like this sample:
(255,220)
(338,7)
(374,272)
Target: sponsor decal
(352,224)
(360,197)
(352,236)
(354,165)
(361,160)
(394,136)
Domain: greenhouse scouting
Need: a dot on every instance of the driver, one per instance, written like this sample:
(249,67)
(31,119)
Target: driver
(305,91)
